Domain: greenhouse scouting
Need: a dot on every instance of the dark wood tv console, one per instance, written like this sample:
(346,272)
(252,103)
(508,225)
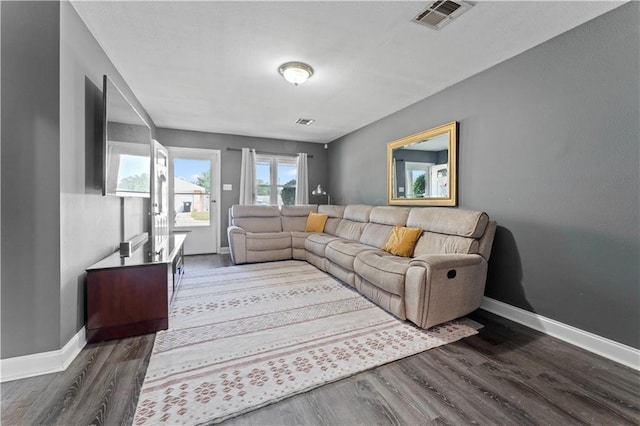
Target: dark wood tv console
(128,296)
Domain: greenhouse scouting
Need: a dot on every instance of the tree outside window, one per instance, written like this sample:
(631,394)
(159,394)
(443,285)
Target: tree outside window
(419,186)
(288,193)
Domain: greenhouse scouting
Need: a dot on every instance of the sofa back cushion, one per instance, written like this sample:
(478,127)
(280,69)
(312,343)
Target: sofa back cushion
(294,218)
(448,230)
(356,216)
(335,214)
(256,218)
(381,222)
(461,222)
(434,243)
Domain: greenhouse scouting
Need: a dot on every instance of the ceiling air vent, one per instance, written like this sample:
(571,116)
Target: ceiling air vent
(440,13)
(305,121)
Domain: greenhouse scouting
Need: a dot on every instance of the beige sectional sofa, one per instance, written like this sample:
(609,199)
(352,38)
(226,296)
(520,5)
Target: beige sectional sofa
(443,280)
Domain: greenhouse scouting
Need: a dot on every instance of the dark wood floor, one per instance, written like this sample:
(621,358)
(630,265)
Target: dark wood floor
(507,374)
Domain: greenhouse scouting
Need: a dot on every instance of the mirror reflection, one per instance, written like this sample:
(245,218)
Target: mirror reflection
(127,146)
(422,168)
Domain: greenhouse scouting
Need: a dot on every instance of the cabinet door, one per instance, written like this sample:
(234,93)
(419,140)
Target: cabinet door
(127,295)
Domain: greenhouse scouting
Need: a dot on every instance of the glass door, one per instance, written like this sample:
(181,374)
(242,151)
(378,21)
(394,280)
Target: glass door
(159,192)
(195,173)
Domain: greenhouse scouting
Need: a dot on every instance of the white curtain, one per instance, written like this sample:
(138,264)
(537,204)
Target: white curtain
(302,180)
(248,177)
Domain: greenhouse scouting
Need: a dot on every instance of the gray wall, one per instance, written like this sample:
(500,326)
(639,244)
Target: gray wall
(30,184)
(55,222)
(549,146)
(230,162)
(91,225)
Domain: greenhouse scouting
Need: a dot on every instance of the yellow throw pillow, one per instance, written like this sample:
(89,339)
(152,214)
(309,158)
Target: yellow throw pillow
(316,222)
(402,241)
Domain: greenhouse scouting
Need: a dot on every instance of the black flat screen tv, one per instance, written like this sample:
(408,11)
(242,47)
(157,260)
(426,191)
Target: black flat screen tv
(126,146)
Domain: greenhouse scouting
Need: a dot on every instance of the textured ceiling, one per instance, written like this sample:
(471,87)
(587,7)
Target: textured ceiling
(213,66)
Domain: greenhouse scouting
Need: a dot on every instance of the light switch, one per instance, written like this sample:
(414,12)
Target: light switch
(227,187)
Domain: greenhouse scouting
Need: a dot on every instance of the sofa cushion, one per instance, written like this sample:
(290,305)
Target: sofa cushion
(350,229)
(357,212)
(344,253)
(432,243)
(268,255)
(332,210)
(356,216)
(294,218)
(375,234)
(464,223)
(263,241)
(382,269)
(256,218)
(402,241)
(259,224)
(297,245)
(298,238)
(317,243)
(381,223)
(316,222)
(335,216)
(298,210)
(254,211)
(389,215)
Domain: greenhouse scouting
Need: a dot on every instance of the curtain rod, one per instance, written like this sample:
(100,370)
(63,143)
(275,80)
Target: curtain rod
(269,153)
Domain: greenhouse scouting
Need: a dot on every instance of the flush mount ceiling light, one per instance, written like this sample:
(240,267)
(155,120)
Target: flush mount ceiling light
(296,72)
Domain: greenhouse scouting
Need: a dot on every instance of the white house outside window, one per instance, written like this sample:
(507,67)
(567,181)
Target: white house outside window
(276,180)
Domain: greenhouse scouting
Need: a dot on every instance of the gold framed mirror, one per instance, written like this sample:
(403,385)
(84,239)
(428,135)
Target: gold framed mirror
(422,168)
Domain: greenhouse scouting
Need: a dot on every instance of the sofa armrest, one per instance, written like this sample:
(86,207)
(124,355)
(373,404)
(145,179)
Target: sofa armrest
(451,286)
(237,244)
(234,228)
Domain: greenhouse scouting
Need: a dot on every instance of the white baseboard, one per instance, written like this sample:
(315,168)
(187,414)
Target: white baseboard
(610,349)
(21,367)
(224,250)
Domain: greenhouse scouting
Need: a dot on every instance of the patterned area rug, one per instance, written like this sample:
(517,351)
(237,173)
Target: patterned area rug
(242,337)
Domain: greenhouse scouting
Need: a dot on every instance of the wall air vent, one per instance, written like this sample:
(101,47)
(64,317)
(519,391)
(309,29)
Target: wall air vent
(440,13)
(305,121)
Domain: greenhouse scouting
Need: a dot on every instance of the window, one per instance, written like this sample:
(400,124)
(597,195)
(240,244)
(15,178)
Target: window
(276,180)
(191,192)
(417,179)
(133,174)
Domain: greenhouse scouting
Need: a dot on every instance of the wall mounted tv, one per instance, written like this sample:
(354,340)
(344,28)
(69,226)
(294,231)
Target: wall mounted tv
(126,146)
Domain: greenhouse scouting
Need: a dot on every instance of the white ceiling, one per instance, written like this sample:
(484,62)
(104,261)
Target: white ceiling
(212,66)
(436,143)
